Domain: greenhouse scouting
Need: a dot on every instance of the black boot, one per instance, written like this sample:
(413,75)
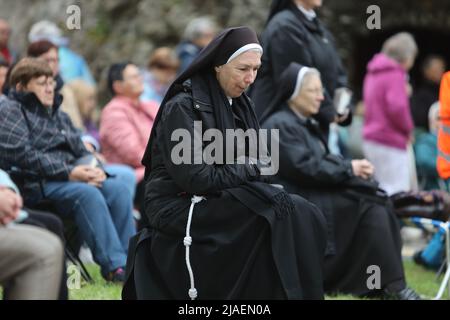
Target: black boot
(404,294)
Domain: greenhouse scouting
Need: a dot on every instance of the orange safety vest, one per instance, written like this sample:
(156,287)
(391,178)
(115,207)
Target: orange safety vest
(443,160)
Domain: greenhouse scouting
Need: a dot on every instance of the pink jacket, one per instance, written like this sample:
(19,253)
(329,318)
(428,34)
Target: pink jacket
(387,117)
(124,131)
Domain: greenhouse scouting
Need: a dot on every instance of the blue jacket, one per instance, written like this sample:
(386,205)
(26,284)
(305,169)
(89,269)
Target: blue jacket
(425,149)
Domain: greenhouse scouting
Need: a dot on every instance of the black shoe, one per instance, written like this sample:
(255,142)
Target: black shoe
(117,276)
(417,257)
(405,294)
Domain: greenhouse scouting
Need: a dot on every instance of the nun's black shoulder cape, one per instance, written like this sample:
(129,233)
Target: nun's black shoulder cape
(249,240)
(362,228)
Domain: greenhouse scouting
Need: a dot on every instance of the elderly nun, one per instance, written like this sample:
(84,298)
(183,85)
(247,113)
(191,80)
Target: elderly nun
(218,231)
(363,234)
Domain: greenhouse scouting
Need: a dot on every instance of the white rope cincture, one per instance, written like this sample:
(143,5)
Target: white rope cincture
(187,243)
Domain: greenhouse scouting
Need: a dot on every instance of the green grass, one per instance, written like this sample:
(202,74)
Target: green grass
(421,280)
(98,290)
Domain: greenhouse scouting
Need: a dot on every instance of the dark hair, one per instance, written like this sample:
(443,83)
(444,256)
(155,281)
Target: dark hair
(27,69)
(38,48)
(115,73)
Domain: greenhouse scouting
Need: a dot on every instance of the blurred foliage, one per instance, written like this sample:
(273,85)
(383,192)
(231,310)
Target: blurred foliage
(99,34)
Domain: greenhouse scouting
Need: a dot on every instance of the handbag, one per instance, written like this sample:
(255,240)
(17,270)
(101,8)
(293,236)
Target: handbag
(433,204)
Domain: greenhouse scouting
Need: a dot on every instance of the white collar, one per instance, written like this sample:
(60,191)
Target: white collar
(309,14)
(230,100)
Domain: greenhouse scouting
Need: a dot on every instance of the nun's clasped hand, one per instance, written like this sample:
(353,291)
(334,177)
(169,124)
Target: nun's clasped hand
(362,168)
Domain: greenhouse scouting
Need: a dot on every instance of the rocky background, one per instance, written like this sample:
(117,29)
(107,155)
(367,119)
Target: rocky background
(115,30)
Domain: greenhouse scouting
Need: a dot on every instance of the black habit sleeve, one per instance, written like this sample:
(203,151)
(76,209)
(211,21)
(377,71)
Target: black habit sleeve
(304,161)
(196,178)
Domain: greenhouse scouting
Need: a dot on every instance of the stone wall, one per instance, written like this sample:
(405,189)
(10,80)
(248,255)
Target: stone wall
(114,30)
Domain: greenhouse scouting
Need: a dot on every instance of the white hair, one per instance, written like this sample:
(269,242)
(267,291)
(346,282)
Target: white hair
(433,116)
(197,27)
(400,47)
(308,74)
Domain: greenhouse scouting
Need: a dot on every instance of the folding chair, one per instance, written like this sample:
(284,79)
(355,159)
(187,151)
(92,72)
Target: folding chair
(72,246)
(71,249)
(433,226)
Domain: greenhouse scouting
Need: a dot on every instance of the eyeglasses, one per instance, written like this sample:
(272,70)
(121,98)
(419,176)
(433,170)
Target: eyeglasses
(49,83)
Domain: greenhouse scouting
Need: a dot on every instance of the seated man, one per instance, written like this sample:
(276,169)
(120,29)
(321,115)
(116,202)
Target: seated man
(30,257)
(126,122)
(39,141)
(363,231)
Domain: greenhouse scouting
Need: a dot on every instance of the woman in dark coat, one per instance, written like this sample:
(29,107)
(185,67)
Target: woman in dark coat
(293,33)
(218,229)
(363,231)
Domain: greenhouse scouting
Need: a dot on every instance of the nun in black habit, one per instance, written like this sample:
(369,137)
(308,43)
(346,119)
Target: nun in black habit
(218,231)
(363,231)
(293,33)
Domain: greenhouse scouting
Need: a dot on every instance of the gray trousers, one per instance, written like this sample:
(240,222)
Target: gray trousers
(30,262)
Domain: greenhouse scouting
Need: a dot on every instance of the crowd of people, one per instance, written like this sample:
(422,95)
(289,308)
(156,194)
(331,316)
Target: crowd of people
(226,230)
